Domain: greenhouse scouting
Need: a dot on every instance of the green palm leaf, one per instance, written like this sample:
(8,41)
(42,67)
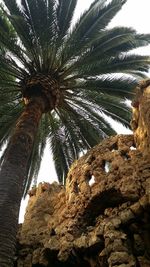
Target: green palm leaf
(85,72)
(95,19)
(65,10)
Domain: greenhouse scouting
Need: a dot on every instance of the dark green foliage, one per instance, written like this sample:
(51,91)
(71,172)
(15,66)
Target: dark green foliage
(90,61)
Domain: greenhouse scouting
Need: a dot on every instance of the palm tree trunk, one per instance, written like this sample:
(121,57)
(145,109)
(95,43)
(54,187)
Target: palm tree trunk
(12,177)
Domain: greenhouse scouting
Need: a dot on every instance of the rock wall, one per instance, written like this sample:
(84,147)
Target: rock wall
(101,218)
(141,117)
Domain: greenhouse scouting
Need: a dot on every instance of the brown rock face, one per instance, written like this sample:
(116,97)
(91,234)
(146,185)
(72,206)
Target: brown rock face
(141,117)
(100,219)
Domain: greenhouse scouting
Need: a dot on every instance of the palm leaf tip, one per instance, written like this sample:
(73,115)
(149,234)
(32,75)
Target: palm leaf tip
(65,10)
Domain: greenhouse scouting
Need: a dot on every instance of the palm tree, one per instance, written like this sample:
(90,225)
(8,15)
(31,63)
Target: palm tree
(56,84)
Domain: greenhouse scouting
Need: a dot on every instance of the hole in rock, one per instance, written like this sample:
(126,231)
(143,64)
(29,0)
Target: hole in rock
(107,166)
(52,232)
(114,147)
(76,187)
(72,261)
(125,156)
(92,180)
(109,198)
(132,148)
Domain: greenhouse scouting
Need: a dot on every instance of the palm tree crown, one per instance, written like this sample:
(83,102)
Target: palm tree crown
(73,67)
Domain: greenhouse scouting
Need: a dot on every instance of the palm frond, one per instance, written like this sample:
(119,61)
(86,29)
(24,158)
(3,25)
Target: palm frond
(111,44)
(107,65)
(91,22)
(56,140)
(108,84)
(96,104)
(9,114)
(65,10)
(23,29)
(87,71)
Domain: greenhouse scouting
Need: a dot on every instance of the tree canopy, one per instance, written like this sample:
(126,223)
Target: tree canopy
(88,67)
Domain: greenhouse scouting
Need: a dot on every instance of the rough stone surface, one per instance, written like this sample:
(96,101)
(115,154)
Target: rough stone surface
(100,219)
(141,116)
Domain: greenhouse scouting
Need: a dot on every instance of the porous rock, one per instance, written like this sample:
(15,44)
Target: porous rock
(100,218)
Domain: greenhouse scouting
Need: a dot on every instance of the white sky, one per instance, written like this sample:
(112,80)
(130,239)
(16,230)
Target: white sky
(136,14)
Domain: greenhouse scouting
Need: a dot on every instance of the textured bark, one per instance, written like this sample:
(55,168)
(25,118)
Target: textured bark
(101,218)
(12,177)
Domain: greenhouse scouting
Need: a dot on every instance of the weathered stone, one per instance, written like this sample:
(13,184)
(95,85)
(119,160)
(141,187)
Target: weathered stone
(119,258)
(91,224)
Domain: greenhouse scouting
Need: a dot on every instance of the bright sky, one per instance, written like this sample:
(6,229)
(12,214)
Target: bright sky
(135,13)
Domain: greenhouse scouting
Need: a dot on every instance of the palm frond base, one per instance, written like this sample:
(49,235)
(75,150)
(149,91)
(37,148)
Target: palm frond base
(41,85)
